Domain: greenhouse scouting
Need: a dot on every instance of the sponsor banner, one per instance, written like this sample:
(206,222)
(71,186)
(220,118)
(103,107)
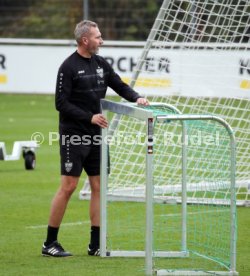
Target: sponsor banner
(33,69)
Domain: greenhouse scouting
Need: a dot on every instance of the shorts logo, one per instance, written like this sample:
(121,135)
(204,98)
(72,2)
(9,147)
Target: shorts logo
(68,166)
(99,72)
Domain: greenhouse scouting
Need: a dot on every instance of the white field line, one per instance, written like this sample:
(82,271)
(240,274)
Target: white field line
(66,224)
(192,213)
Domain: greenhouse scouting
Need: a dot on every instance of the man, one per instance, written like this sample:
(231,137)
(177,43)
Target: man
(82,81)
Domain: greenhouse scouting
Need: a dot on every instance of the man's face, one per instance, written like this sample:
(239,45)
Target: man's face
(94,41)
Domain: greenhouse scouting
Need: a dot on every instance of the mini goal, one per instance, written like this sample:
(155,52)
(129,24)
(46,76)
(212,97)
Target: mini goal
(187,208)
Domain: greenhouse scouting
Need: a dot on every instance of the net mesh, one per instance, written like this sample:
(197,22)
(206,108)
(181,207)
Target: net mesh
(207,144)
(208,30)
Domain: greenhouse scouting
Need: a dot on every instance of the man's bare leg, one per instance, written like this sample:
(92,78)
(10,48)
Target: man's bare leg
(94,213)
(61,199)
(58,206)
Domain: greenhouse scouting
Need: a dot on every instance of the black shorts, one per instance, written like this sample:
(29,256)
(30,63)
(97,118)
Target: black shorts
(75,158)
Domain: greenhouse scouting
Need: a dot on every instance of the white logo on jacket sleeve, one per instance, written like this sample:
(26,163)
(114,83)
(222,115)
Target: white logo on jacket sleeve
(60,82)
(81,72)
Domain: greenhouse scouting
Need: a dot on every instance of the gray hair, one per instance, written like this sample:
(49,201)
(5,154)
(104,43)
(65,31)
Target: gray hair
(82,29)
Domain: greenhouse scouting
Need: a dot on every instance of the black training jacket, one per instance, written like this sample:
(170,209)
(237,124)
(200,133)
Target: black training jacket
(81,83)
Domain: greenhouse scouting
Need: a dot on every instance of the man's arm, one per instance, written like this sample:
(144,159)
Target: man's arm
(124,90)
(63,92)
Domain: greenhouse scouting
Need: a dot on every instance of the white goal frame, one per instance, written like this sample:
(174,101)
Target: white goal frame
(147,116)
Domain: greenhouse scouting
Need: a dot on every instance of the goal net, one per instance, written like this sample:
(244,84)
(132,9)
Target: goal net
(195,58)
(185,221)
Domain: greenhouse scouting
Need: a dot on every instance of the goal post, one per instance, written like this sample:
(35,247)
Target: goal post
(196,230)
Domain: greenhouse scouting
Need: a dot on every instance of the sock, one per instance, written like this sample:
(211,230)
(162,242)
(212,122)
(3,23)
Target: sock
(95,236)
(52,233)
